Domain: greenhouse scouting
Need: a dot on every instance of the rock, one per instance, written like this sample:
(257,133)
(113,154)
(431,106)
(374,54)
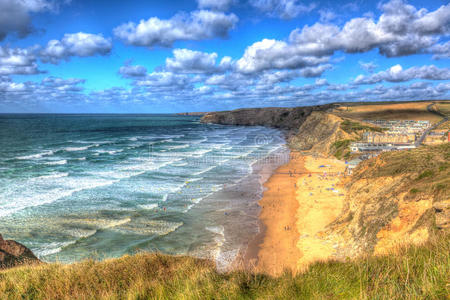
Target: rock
(14,254)
(442,210)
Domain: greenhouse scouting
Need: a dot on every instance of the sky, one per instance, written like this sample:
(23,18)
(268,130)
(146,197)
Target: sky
(80,56)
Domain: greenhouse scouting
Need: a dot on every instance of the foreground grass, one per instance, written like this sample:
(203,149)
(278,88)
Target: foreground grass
(413,272)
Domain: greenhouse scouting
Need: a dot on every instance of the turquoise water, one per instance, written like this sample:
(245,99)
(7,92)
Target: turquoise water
(78,186)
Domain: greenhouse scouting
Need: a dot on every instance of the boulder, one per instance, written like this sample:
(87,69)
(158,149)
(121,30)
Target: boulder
(13,254)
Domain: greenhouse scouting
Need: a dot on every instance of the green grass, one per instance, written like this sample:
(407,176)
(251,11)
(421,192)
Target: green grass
(414,191)
(340,149)
(351,127)
(415,272)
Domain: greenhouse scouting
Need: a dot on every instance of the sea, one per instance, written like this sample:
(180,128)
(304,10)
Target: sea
(74,187)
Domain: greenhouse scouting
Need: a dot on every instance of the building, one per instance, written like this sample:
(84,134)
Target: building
(369,147)
(389,137)
(436,137)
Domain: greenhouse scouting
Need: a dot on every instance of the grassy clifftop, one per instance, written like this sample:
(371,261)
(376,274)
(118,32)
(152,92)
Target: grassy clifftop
(412,272)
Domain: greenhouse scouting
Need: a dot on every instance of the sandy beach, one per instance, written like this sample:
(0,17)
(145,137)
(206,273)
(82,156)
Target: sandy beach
(301,198)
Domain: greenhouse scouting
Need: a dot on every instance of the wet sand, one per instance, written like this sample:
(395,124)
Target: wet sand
(302,197)
(277,250)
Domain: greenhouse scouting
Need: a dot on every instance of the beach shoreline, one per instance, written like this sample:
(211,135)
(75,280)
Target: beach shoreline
(300,199)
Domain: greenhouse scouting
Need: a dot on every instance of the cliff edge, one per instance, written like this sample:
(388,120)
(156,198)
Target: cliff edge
(277,117)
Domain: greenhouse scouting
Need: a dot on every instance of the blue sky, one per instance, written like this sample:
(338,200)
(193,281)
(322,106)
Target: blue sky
(154,56)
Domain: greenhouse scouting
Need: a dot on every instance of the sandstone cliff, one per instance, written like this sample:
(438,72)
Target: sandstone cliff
(319,132)
(397,197)
(13,254)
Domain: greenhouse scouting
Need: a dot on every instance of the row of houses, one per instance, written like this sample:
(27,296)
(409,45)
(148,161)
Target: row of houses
(401,135)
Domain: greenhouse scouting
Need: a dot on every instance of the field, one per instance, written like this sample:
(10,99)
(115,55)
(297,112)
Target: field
(390,111)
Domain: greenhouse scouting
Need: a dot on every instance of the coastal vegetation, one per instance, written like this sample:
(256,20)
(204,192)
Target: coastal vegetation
(411,272)
(340,149)
(428,167)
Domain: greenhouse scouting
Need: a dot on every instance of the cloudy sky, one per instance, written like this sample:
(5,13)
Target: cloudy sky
(201,55)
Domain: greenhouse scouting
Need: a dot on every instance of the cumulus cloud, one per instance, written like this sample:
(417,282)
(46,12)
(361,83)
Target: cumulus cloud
(49,90)
(440,51)
(221,5)
(8,86)
(397,74)
(284,9)
(75,44)
(315,71)
(164,79)
(198,25)
(400,30)
(60,84)
(17,61)
(272,54)
(15,15)
(368,66)
(129,71)
(189,61)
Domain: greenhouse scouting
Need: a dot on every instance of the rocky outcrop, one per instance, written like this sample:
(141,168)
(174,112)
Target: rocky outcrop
(14,254)
(278,117)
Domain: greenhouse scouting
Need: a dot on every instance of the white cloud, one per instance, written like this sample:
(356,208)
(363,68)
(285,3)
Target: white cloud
(284,9)
(17,61)
(188,61)
(15,15)
(398,74)
(272,54)
(164,79)
(76,44)
(315,71)
(198,25)
(400,30)
(440,50)
(221,5)
(7,85)
(129,71)
(368,66)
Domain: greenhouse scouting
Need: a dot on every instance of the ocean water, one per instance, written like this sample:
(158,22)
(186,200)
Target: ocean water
(97,186)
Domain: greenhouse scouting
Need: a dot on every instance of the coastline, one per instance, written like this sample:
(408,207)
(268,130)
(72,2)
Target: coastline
(239,216)
(301,198)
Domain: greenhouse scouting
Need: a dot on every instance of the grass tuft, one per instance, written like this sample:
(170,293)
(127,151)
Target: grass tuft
(412,272)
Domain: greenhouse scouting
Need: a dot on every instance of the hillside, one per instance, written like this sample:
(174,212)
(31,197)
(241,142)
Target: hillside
(278,117)
(412,272)
(396,198)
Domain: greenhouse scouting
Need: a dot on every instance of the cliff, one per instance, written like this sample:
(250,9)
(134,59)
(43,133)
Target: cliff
(13,254)
(277,117)
(396,198)
(319,132)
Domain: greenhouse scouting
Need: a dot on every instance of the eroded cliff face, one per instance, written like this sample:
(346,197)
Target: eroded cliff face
(318,133)
(395,198)
(277,117)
